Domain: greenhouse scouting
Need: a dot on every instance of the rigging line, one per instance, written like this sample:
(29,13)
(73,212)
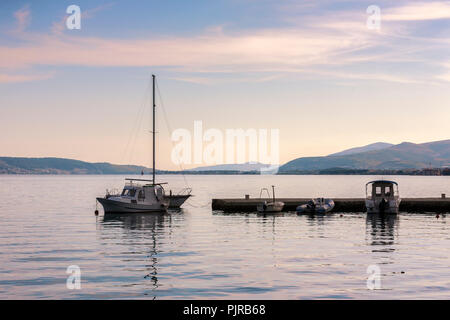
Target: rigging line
(133,145)
(136,134)
(193,203)
(145,105)
(198,205)
(134,131)
(170,130)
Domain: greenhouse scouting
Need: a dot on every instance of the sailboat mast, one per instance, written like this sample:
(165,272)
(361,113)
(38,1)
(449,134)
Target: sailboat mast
(154,107)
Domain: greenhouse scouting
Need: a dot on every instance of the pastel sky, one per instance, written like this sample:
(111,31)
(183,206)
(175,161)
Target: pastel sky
(312,69)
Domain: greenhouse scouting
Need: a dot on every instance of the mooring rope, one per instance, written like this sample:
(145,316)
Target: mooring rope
(198,205)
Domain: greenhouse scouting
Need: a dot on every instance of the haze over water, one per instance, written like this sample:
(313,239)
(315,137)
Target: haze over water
(47,223)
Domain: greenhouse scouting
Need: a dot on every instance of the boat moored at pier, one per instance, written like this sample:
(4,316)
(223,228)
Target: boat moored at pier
(382,196)
(318,205)
(272,206)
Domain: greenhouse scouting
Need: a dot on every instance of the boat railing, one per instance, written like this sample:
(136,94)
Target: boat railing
(261,192)
(184,191)
(133,184)
(112,192)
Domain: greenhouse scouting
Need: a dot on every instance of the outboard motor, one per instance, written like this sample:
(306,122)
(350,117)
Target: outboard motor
(383,205)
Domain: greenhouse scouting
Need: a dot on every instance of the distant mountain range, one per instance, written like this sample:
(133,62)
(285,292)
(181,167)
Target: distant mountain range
(405,155)
(369,147)
(376,156)
(248,166)
(12,165)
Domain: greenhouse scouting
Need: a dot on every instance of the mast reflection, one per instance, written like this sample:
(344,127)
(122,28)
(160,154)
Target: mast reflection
(142,231)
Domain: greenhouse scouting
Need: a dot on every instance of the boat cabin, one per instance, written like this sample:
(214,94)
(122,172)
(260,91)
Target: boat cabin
(381,189)
(140,192)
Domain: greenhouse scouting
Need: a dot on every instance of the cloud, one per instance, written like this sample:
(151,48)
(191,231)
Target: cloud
(58,27)
(196,80)
(417,11)
(23,18)
(209,81)
(229,52)
(445,75)
(333,39)
(16,78)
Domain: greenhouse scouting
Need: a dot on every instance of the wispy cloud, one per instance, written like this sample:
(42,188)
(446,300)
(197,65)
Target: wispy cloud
(445,75)
(418,11)
(16,78)
(236,78)
(196,80)
(334,39)
(59,26)
(23,18)
(228,51)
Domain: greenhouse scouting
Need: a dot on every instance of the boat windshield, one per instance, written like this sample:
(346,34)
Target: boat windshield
(129,192)
(381,189)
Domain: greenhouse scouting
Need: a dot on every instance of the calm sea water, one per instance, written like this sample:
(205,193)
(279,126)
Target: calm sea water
(47,223)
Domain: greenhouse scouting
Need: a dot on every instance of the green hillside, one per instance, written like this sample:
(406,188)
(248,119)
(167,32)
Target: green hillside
(12,165)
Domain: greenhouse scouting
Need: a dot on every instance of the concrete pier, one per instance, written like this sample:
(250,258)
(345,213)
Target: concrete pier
(419,205)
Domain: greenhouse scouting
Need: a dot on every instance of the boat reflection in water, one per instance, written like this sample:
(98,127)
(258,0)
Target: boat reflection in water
(381,230)
(140,237)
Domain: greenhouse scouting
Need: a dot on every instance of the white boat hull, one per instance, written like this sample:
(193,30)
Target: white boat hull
(114,206)
(270,207)
(392,206)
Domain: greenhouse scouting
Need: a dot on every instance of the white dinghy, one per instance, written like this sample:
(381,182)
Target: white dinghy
(269,206)
(318,205)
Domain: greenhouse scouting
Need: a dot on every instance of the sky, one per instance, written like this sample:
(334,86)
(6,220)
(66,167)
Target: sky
(314,70)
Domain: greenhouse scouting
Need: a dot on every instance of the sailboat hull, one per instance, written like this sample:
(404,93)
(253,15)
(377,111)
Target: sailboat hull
(175,201)
(113,206)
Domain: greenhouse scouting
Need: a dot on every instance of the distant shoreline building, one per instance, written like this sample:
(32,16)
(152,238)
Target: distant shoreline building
(434,171)
(431,171)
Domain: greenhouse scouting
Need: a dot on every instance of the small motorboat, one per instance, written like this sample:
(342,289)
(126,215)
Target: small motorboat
(136,198)
(382,197)
(318,205)
(269,206)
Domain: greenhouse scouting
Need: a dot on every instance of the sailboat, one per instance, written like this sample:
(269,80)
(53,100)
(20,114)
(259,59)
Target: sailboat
(142,195)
